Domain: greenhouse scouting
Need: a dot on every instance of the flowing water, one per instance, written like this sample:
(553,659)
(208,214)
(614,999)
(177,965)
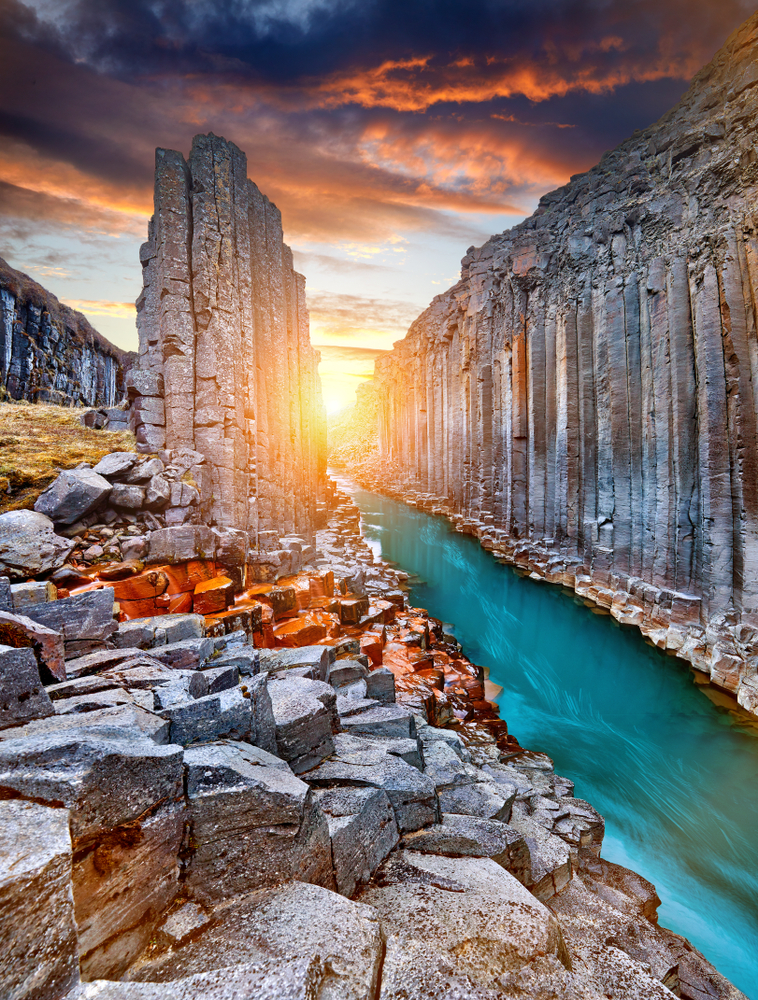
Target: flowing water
(675,777)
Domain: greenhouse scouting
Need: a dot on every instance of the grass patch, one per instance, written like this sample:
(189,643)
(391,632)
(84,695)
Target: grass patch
(37,441)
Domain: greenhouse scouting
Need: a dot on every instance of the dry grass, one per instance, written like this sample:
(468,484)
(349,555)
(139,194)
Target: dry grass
(37,441)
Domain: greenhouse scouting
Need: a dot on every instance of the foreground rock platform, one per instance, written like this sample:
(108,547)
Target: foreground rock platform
(200,808)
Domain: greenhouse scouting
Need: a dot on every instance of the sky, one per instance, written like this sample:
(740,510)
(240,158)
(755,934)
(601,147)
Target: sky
(392,134)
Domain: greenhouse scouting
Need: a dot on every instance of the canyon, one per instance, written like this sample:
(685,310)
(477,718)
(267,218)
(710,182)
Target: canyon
(235,760)
(584,399)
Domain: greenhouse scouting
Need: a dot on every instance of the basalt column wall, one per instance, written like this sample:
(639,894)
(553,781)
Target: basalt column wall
(49,353)
(226,365)
(586,396)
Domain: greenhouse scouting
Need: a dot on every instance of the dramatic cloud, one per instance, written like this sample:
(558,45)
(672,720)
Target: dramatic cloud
(390,134)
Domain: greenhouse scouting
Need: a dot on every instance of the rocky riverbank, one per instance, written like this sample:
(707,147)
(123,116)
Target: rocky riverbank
(293,787)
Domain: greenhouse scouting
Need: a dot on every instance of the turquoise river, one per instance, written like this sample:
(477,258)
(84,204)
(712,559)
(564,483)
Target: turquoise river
(675,777)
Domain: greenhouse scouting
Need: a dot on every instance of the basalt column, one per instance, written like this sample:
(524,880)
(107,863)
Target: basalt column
(226,365)
(585,398)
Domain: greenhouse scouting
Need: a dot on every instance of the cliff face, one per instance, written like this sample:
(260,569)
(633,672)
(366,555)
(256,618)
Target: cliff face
(50,353)
(586,396)
(226,365)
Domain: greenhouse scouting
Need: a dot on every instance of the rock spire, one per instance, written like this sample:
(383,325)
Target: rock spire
(226,365)
(587,394)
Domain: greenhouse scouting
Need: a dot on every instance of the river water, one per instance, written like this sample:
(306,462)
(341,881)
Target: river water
(675,777)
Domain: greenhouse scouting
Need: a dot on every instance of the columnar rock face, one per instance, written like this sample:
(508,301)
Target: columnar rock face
(226,365)
(50,353)
(587,393)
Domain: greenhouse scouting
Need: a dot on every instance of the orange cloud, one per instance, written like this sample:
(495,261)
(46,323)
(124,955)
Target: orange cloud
(417,84)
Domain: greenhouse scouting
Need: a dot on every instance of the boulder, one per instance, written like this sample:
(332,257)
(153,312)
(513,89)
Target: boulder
(263,729)
(282,926)
(72,495)
(470,836)
(391,721)
(32,592)
(221,678)
(20,631)
(127,497)
(187,654)
(304,723)
(126,820)
(362,829)
(157,493)
(87,616)
(38,943)
(93,701)
(380,685)
(457,927)
(159,630)
(103,659)
(253,823)
(315,658)
(226,715)
(181,543)
(122,722)
(29,545)
(115,465)
(359,761)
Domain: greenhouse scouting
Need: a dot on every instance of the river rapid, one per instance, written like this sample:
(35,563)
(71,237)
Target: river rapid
(675,776)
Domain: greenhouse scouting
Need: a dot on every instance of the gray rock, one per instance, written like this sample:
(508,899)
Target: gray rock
(29,545)
(38,942)
(480,798)
(157,493)
(126,819)
(144,470)
(384,721)
(48,645)
(187,654)
(315,658)
(184,922)
(189,685)
(127,497)
(253,824)
(346,672)
(103,659)
(469,836)
(159,630)
(22,697)
(245,659)
(115,465)
(125,722)
(304,723)
(6,597)
(227,715)
(83,616)
(551,866)
(263,732)
(221,678)
(283,925)
(92,701)
(275,979)
(455,927)
(73,495)
(181,543)
(362,829)
(369,762)
(380,685)
(23,595)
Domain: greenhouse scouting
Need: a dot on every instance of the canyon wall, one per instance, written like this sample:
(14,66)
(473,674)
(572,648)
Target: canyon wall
(585,399)
(226,366)
(49,353)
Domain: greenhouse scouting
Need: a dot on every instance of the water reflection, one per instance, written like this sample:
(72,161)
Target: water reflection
(675,777)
